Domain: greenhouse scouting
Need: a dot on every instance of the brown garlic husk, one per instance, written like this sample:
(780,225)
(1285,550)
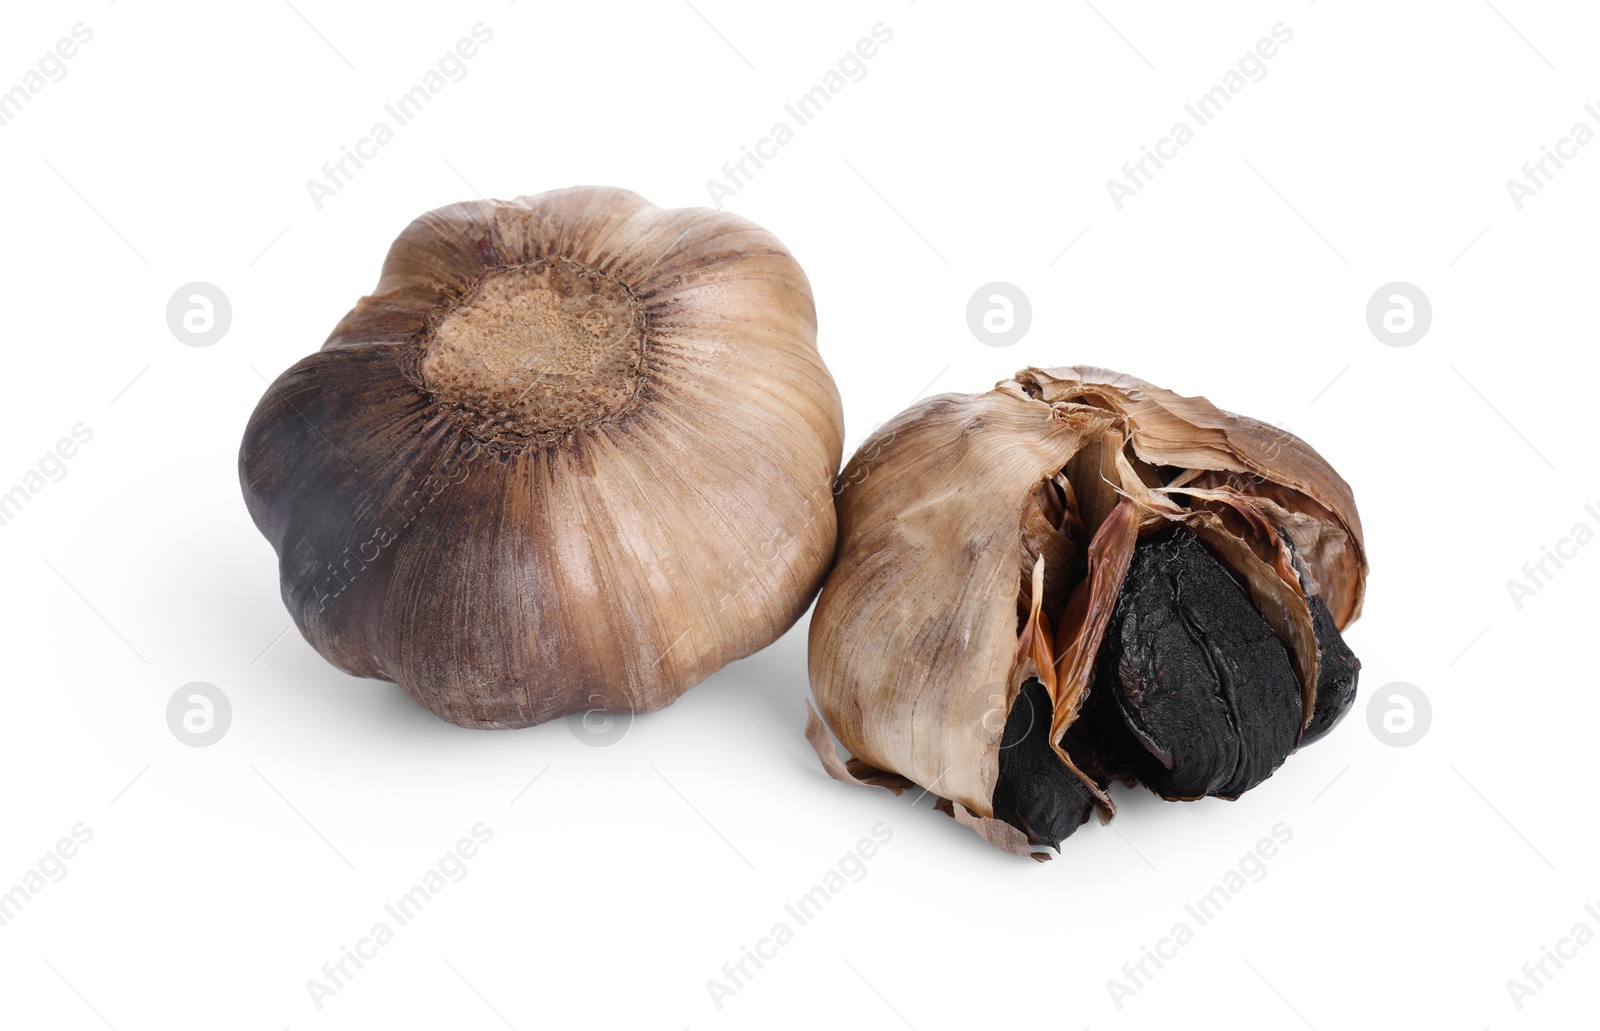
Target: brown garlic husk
(1078,578)
(574,453)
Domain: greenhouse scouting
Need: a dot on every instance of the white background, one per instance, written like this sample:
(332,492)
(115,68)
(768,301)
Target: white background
(219,880)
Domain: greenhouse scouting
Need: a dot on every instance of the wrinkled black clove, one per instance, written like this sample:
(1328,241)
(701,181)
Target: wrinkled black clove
(1337,666)
(1036,792)
(1195,695)
(1337,672)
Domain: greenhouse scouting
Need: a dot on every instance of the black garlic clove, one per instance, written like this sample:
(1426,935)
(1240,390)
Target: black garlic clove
(1194,693)
(1036,792)
(1337,666)
(1337,672)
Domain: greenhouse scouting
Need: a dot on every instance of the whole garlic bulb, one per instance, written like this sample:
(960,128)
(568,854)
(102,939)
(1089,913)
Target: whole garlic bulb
(1079,577)
(575,452)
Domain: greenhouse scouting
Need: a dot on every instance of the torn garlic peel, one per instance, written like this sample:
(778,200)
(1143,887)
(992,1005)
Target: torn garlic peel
(924,632)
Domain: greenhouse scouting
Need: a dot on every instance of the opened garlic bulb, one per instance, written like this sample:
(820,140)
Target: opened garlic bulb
(575,452)
(1075,578)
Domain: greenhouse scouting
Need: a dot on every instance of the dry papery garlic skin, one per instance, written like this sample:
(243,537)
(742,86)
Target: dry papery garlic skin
(574,453)
(1075,578)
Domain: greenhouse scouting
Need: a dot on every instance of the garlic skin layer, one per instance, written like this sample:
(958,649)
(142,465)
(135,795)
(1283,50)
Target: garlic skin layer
(983,543)
(575,452)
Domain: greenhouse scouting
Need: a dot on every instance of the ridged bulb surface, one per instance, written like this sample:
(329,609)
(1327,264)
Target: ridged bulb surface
(575,452)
